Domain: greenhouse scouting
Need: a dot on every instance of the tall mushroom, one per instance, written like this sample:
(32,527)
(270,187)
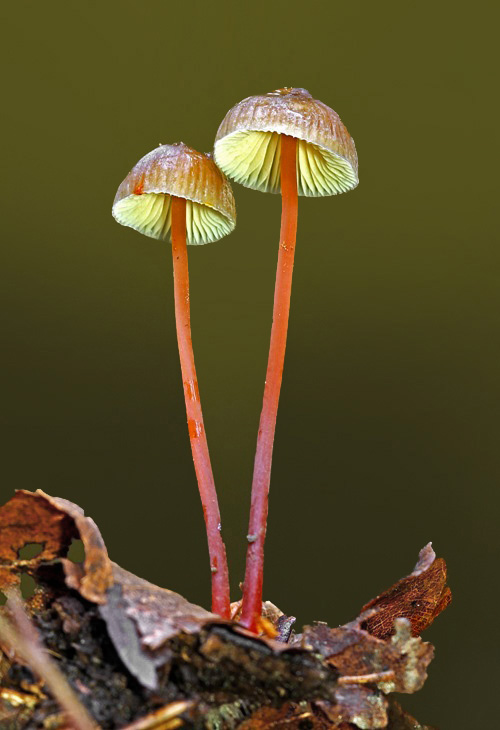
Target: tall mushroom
(175,191)
(287,141)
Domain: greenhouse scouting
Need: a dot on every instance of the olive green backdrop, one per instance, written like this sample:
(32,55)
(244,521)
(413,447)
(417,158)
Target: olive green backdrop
(389,419)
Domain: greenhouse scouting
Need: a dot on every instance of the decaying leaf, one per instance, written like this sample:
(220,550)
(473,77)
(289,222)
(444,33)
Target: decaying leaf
(142,617)
(177,652)
(52,523)
(27,520)
(396,665)
(419,597)
(368,669)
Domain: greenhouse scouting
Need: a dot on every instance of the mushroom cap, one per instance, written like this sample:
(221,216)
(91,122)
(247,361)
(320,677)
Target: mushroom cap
(143,200)
(248,143)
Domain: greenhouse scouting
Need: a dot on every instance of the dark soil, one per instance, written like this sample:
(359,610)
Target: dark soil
(216,667)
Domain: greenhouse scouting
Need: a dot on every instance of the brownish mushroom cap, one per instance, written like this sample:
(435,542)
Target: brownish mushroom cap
(248,143)
(143,200)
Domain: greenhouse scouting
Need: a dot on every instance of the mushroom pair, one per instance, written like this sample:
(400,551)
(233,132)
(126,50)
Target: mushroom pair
(282,141)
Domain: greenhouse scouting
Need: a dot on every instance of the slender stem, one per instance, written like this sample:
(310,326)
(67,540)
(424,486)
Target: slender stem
(197,436)
(252,590)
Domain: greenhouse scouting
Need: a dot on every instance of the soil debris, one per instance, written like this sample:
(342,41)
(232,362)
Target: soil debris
(142,657)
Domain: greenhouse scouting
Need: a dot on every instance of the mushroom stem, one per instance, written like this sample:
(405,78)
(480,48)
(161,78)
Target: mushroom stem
(197,436)
(252,590)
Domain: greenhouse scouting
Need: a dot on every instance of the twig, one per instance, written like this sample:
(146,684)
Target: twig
(163,715)
(373,678)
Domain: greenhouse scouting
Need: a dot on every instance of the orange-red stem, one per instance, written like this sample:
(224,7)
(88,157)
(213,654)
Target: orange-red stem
(252,590)
(197,436)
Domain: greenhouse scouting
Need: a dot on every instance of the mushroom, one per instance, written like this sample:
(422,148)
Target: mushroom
(175,191)
(282,140)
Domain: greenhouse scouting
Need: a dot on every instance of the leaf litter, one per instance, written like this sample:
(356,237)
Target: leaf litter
(142,657)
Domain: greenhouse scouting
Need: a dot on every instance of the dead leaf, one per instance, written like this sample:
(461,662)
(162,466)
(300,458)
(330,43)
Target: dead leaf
(52,523)
(396,665)
(141,617)
(368,668)
(29,518)
(419,597)
(158,613)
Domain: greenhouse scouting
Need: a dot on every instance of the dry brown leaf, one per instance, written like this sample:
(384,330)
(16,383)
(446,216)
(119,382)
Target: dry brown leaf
(52,523)
(419,597)
(369,668)
(29,518)
(158,613)
(142,617)
(395,665)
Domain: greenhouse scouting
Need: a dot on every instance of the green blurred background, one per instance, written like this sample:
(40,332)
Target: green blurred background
(389,418)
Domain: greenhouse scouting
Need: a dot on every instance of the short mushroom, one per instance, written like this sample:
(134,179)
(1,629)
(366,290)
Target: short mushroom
(287,141)
(176,192)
